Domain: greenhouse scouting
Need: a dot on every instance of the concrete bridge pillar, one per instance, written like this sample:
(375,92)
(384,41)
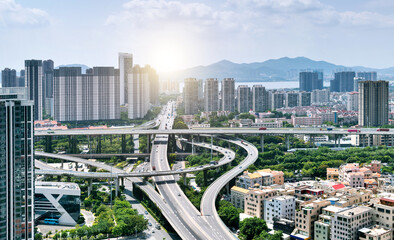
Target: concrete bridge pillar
(61,165)
(369,140)
(76,166)
(48,144)
(89,186)
(211,146)
(123,143)
(184,179)
(99,144)
(228,188)
(148,143)
(339,140)
(122,181)
(287,142)
(193,147)
(116,186)
(262,142)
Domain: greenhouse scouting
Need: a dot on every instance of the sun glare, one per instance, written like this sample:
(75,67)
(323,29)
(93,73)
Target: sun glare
(167,57)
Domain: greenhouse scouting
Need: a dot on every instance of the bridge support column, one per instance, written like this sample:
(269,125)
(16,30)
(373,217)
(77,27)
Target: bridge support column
(211,146)
(116,186)
(369,140)
(312,140)
(46,160)
(262,142)
(123,143)
(69,145)
(76,166)
(99,144)
(205,177)
(61,165)
(339,140)
(89,186)
(122,181)
(184,179)
(148,143)
(228,188)
(48,144)
(287,142)
(193,147)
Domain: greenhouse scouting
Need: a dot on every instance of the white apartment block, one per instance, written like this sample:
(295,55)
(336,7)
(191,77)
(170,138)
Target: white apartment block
(352,101)
(320,96)
(375,233)
(86,97)
(279,207)
(323,225)
(238,196)
(346,223)
(125,68)
(384,212)
(139,92)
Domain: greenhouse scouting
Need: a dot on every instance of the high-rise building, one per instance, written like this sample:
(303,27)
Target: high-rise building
(17,166)
(200,94)
(8,78)
(139,91)
(311,80)
(305,99)
(356,81)
(154,84)
(277,99)
(34,84)
(368,76)
(343,82)
(259,98)
(243,98)
(190,96)
(320,96)
(21,79)
(228,94)
(86,97)
(125,69)
(211,95)
(352,101)
(279,207)
(47,70)
(292,99)
(373,103)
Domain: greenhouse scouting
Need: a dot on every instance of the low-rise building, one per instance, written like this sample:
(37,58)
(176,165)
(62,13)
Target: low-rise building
(323,225)
(279,207)
(238,196)
(57,202)
(375,233)
(249,180)
(278,176)
(332,174)
(305,219)
(384,212)
(346,223)
(254,201)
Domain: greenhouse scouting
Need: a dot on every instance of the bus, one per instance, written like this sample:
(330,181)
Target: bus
(51,221)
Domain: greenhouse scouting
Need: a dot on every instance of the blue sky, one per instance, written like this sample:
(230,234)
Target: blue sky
(175,34)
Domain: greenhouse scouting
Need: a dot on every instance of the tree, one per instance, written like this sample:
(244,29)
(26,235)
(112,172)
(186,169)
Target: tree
(251,228)
(229,214)
(246,116)
(265,236)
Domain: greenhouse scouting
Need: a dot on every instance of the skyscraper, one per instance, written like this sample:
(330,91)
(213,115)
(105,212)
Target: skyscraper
(373,103)
(320,96)
(277,99)
(259,98)
(86,97)
(34,84)
(154,86)
(228,94)
(292,99)
(343,82)
(47,70)
(355,83)
(368,76)
(352,101)
(243,98)
(21,78)
(139,91)
(190,96)
(125,68)
(310,81)
(17,167)
(305,99)
(8,78)
(211,95)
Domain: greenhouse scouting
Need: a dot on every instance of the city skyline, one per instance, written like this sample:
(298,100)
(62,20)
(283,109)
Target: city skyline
(165,33)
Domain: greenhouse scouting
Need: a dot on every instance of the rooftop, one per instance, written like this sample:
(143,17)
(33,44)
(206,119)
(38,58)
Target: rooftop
(376,231)
(239,189)
(354,211)
(57,185)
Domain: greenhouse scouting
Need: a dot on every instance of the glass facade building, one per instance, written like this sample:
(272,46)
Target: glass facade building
(16,167)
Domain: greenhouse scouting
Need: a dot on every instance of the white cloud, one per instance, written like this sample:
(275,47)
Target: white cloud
(15,15)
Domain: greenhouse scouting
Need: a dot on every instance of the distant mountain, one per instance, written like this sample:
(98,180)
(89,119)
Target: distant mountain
(270,70)
(83,67)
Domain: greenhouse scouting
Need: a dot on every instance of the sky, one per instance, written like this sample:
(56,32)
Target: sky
(177,34)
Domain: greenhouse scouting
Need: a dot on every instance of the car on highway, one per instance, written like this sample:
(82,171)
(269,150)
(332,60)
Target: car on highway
(146,212)
(263,128)
(179,194)
(150,224)
(240,166)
